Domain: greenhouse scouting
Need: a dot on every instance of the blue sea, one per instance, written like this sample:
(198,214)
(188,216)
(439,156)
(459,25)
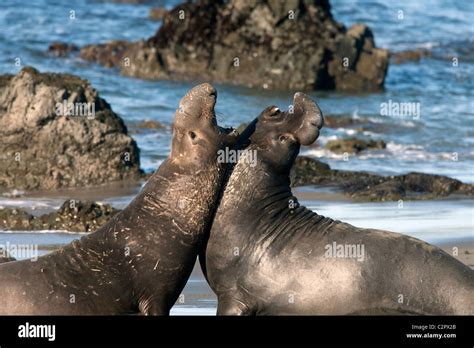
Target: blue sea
(439,140)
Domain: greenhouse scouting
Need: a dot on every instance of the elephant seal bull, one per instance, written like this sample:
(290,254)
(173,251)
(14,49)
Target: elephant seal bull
(141,259)
(266,255)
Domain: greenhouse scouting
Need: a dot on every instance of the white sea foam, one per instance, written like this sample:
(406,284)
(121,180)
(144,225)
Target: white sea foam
(31,203)
(428,45)
(393,150)
(347,131)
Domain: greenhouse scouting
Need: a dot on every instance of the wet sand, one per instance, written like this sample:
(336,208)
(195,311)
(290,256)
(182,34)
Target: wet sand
(463,250)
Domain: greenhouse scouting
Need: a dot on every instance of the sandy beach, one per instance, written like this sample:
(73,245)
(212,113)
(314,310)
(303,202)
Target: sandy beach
(464,250)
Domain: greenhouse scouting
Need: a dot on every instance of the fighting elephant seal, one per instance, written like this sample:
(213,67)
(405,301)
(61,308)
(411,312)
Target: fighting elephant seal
(141,259)
(266,255)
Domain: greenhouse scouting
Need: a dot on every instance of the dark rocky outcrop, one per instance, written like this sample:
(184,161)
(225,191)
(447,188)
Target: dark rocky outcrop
(16,219)
(363,186)
(57,132)
(73,215)
(272,44)
(109,54)
(354,145)
(62,49)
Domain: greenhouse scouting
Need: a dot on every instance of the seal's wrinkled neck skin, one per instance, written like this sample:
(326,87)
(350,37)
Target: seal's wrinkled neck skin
(262,189)
(276,138)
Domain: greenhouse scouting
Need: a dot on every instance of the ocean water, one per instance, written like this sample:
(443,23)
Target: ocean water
(438,140)
(426,143)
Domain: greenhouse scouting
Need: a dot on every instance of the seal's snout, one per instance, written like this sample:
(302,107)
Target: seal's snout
(204,90)
(309,118)
(310,109)
(199,101)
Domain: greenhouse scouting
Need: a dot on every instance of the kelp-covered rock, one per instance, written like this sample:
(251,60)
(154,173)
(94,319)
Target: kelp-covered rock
(57,132)
(364,186)
(16,219)
(77,216)
(273,44)
(73,215)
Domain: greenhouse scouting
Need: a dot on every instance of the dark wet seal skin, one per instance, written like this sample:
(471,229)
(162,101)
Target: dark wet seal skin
(141,259)
(266,255)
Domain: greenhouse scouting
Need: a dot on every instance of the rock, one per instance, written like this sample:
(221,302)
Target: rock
(15,219)
(274,44)
(420,182)
(308,171)
(409,186)
(390,190)
(364,186)
(332,121)
(353,145)
(410,55)
(110,54)
(157,13)
(62,49)
(77,216)
(358,64)
(150,124)
(57,132)
(5,257)
(73,215)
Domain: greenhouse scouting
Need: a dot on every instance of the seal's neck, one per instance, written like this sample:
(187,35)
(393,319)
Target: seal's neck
(255,191)
(155,239)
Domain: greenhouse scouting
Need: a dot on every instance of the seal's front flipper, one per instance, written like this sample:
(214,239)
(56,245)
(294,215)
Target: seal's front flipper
(152,308)
(231,306)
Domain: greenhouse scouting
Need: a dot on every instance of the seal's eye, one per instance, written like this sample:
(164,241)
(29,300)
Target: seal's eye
(192,135)
(283,138)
